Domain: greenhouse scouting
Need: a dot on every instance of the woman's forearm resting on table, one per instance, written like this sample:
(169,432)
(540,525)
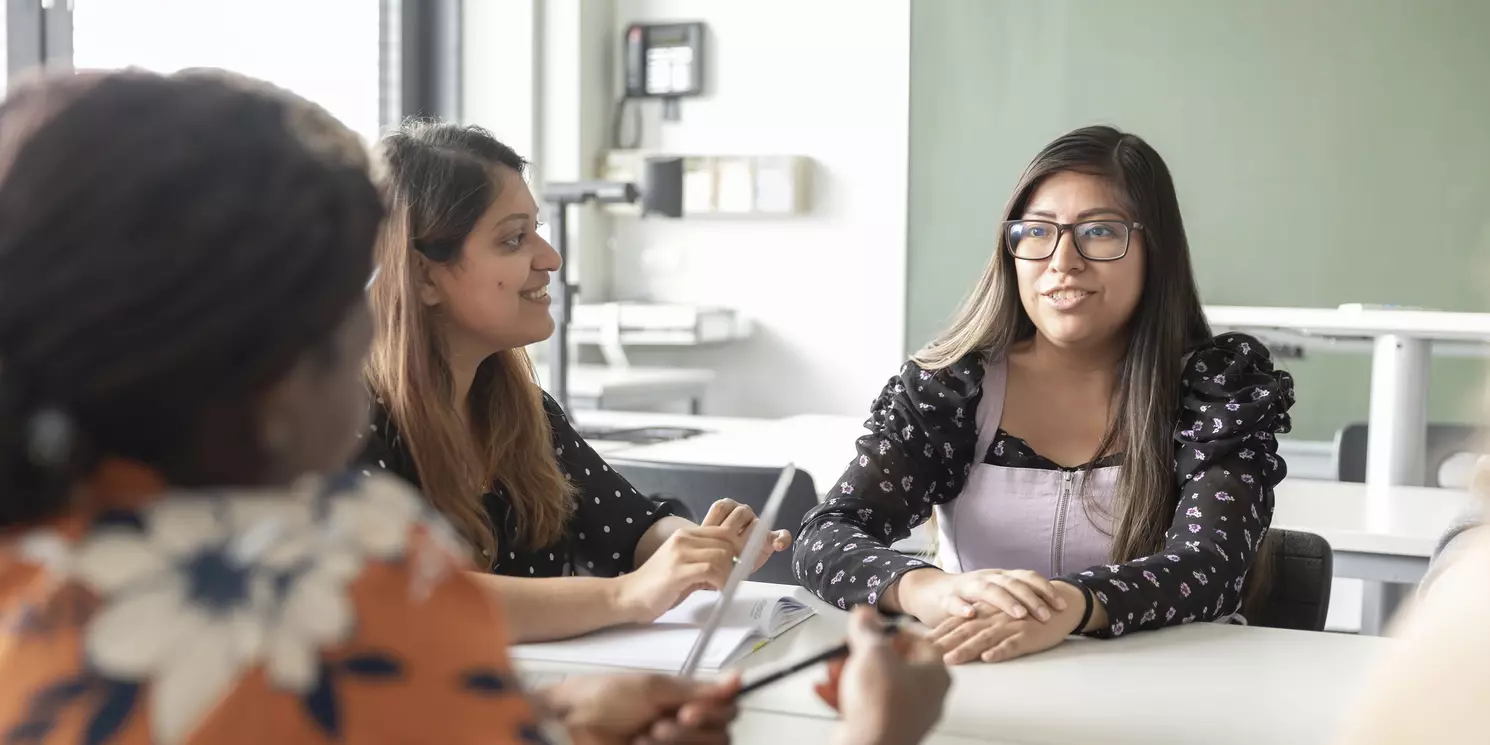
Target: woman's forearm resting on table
(550,608)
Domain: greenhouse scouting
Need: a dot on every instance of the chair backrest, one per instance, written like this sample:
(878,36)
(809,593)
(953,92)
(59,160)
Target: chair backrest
(1443,442)
(698,486)
(1298,596)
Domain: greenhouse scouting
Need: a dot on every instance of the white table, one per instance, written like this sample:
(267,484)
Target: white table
(822,446)
(607,387)
(1399,525)
(1383,535)
(1402,349)
(774,728)
(1221,685)
(712,426)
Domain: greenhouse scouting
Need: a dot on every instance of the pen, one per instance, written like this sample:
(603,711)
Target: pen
(796,667)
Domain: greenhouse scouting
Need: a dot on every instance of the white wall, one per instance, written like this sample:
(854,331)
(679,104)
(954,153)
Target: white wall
(826,79)
(499,70)
(826,290)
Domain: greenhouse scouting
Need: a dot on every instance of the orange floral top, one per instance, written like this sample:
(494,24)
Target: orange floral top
(331,612)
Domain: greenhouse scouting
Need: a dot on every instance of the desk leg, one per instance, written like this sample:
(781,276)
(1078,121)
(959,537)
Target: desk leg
(1394,451)
(1388,580)
(1380,601)
(1399,414)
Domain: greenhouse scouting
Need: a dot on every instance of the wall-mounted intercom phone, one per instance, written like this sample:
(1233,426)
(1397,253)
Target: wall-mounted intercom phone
(664,60)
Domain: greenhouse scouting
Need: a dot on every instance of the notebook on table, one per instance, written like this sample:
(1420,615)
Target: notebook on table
(757,614)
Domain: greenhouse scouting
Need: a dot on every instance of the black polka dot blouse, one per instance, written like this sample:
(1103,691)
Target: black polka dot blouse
(923,435)
(608,521)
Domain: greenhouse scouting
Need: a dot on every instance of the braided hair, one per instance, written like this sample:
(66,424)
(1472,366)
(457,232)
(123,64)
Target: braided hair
(170,247)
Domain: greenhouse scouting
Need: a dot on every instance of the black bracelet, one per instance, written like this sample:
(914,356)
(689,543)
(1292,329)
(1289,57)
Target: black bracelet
(1090,601)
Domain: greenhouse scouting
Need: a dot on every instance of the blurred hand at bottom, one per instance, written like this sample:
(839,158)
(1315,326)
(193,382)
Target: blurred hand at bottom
(890,689)
(643,710)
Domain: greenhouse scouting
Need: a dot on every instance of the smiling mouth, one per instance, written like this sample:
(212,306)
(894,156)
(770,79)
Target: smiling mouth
(537,295)
(1066,298)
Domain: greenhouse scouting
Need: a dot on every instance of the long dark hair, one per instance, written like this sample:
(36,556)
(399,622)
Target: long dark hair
(438,181)
(1166,325)
(170,247)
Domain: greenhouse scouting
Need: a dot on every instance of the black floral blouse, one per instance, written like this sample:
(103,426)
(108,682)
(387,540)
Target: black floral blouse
(609,520)
(923,435)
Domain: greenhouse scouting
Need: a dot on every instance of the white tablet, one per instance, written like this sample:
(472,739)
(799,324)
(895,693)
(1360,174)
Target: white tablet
(744,566)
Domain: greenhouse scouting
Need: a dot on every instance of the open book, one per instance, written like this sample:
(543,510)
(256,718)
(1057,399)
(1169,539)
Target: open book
(759,613)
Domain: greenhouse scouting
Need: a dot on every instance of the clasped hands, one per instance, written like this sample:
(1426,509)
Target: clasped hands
(991,614)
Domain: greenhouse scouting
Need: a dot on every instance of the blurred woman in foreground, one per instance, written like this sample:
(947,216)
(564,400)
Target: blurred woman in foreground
(1434,682)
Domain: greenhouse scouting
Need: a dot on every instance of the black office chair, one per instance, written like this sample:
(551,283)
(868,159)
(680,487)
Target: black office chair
(1444,441)
(1299,591)
(697,487)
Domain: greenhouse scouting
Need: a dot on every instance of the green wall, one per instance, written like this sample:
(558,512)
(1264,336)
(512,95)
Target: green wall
(1326,151)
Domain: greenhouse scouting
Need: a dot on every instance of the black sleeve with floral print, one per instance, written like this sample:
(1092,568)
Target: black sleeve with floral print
(921,446)
(1226,466)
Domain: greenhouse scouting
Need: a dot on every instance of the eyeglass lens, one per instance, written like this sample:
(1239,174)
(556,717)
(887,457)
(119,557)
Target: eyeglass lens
(1037,239)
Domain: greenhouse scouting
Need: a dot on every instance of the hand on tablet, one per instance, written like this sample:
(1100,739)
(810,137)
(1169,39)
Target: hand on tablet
(637,709)
(933,596)
(691,559)
(890,690)
(740,519)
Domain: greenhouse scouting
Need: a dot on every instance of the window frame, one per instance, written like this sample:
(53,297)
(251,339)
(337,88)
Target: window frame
(38,36)
(419,57)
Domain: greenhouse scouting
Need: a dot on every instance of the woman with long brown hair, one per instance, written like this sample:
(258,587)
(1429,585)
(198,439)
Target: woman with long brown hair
(1097,462)
(461,288)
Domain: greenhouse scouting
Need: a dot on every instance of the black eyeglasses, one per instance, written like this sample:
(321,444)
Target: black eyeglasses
(1096,240)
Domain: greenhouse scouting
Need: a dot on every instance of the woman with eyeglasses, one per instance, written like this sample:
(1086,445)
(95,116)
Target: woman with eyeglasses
(1095,461)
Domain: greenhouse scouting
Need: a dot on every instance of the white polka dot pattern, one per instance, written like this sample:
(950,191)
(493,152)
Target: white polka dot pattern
(602,534)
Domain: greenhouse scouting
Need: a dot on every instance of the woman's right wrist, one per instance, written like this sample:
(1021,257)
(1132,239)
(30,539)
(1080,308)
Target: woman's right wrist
(905,591)
(622,600)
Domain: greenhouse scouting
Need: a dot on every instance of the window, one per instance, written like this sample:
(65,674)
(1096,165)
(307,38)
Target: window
(325,50)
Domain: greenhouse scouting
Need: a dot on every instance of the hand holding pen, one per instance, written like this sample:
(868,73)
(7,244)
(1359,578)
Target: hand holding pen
(888,685)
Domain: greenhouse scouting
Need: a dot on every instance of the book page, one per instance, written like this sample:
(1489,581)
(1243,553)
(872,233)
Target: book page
(756,607)
(655,647)
(760,611)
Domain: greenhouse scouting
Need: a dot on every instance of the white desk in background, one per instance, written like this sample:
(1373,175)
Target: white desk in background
(608,431)
(822,446)
(1382,535)
(1402,342)
(607,387)
(1177,686)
